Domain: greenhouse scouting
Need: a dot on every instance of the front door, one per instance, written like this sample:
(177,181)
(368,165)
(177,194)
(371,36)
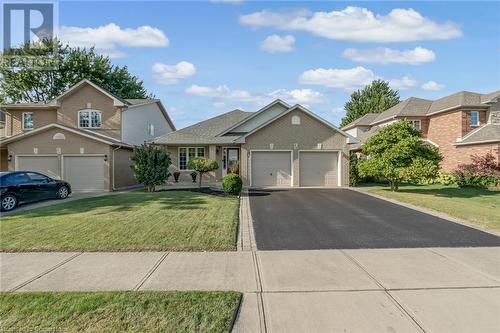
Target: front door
(233,161)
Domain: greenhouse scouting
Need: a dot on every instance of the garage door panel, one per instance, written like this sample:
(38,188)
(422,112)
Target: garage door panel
(271,169)
(318,169)
(48,165)
(85,173)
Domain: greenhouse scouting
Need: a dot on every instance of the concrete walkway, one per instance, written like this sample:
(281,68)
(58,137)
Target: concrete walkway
(384,290)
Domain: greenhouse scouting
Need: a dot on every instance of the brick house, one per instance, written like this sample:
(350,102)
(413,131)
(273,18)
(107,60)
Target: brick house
(460,125)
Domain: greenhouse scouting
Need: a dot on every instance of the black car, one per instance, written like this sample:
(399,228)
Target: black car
(28,186)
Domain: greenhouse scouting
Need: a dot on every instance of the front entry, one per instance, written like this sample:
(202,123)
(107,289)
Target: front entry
(231,160)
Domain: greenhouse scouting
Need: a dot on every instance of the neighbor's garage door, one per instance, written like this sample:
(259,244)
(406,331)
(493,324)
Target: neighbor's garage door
(48,165)
(84,173)
(271,168)
(318,168)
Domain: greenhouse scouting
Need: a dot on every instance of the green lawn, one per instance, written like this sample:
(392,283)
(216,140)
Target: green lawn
(134,311)
(479,206)
(133,221)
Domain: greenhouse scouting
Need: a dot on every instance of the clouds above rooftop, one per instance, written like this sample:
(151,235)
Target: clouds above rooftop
(384,56)
(357,24)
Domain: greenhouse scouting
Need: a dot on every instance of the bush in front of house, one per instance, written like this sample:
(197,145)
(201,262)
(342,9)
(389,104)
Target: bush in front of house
(354,177)
(201,165)
(443,178)
(232,184)
(150,166)
(483,172)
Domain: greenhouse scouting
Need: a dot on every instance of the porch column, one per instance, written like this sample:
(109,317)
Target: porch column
(212,154)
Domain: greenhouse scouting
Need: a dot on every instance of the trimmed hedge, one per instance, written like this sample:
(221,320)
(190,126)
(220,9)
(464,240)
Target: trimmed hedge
(232,184)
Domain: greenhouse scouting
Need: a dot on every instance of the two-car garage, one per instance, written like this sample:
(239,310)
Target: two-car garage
(315,168)
(83,172)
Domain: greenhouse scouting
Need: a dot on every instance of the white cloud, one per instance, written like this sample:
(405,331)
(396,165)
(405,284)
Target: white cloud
(278,44)
(223,95)
(432,85)
(357,24)
(171,74)
(384,55)
(299,96)
(404,83)
(108,38)
(338,109)
(348,79)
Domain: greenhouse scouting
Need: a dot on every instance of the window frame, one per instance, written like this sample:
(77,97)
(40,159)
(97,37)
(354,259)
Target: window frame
(32,121)
(89,111)
(196,154)
(151,129)
(413,121)
(296,120)
(470,117)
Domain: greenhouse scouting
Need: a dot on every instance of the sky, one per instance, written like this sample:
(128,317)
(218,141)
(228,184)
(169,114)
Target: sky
(206,58)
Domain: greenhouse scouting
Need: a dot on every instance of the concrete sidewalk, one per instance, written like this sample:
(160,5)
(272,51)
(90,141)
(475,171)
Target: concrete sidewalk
(415,290)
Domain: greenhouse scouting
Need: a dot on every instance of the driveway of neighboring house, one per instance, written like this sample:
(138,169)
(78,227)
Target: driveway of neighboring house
(307,219)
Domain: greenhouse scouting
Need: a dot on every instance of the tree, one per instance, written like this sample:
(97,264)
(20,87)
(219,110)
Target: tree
(398,154)
(19,82)
(202,165)
(150,166)
(374,98)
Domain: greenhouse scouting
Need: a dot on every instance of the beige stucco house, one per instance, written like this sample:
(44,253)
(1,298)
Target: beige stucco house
(460,125)
(84,136)
(277,146)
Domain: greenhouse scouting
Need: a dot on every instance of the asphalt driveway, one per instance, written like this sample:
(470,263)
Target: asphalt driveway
(308,219)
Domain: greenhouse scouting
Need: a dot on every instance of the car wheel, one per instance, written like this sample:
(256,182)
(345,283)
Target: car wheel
(63,192)
(9,202)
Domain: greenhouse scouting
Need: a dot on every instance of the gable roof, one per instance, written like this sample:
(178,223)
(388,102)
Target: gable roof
(365,120)
(484,134)
(117,100)
(86,133)
(207,131)
(410,107)
(350,138)
(462,98)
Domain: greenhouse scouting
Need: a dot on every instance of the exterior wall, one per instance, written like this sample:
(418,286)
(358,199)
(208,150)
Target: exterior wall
(466,126)
(46,145)
(185,174)
(121,171)
(260,119)
(14,119)
(136,121)
(4,163)
(357,131)
(444,130)
(283,135)
(87,97)
(463,153)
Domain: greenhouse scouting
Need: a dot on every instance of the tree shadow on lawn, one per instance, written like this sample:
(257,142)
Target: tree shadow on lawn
(120,203)
(450,192)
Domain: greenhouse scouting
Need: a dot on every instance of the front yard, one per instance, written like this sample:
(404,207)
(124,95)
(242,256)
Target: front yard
(118,311)
(479,206)
(133,221)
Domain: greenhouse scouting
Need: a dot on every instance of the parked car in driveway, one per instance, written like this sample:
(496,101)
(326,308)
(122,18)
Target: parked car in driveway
(28,186)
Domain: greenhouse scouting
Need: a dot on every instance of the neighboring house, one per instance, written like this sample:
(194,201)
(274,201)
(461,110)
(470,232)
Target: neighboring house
(279,145)
(85,136)
(460,125)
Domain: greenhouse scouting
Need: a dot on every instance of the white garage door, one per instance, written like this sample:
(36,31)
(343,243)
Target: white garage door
(271,168)
(318,168)
(48,165)
(84,173)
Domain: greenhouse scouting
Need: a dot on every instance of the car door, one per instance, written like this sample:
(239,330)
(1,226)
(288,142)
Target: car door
(26,189)
(45,187)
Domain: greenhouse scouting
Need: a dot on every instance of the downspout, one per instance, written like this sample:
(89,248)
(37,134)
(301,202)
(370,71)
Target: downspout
(113,166)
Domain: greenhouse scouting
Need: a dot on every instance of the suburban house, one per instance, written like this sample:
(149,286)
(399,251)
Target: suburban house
(84,136)
(279,145)
(461,125)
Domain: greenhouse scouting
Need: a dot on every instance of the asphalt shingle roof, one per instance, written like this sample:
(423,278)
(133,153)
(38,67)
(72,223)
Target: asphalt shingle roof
(365,120)
(488,132)
(410,107)
(137,101)
(206,131)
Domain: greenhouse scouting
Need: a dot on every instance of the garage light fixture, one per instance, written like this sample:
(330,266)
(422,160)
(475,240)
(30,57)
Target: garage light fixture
(105,158)
(9,158)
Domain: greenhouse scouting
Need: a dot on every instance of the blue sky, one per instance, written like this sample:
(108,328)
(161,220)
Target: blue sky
(205,58)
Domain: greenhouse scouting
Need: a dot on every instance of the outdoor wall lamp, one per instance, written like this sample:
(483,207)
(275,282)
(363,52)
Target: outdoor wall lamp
(105,158)
(9,158)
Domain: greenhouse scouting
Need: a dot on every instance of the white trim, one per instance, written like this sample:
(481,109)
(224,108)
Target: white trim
(187,156)
(249,162)
(264,108)
(478,121)
(431,142)
(476,142)
(32,120)
(90,118)
(351,139)
(339,161)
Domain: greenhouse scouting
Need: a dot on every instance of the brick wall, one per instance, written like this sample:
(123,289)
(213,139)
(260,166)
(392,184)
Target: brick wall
(466,125)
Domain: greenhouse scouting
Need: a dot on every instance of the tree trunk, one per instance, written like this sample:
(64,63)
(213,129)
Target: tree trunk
(392,185)
(151,188)
(396,186)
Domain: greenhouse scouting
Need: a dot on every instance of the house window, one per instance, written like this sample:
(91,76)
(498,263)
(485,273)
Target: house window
(151,129)
(416,124)
(28,120)
(89,119)
(295,120)
(474,118)
(188,153)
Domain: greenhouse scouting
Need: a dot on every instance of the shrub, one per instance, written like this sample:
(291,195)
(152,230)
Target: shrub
(353,169)
(484,171)
(443,178)
(150,166)
(202,165)
(232,184)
